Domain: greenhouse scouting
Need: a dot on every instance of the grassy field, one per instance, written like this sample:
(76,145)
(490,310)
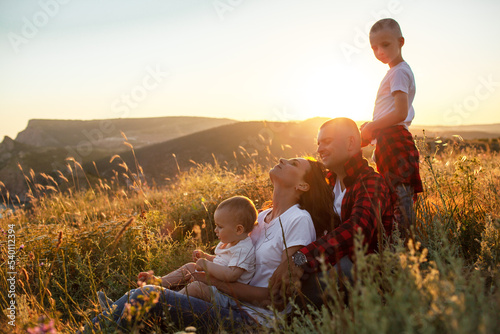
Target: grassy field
(80,236)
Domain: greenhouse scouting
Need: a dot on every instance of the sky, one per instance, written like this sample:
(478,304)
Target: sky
(277,60)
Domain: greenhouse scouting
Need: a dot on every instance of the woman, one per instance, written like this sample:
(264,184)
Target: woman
(302,210)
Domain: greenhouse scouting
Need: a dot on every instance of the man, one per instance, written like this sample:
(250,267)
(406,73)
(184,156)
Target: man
(361,198)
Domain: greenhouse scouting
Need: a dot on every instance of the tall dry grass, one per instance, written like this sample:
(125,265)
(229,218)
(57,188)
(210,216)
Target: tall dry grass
(80,235)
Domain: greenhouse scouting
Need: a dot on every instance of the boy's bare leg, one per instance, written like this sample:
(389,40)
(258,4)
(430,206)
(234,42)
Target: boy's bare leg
(198,290)
(179,276)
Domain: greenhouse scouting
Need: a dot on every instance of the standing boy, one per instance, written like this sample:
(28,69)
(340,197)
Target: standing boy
(396,155)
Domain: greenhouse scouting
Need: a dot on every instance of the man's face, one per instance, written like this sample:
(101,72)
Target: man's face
(333,147)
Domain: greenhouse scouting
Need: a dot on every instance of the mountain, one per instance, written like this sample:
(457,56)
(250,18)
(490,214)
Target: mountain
(45,144)
(163,146)
(481,131)
(234,145)
(106,134)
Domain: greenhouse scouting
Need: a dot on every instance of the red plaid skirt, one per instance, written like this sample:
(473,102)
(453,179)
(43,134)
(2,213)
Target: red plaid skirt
(397,157)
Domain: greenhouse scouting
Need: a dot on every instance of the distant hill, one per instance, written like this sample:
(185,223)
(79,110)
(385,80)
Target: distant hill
(105,135)
(248,140)
(482,131)
(45,144)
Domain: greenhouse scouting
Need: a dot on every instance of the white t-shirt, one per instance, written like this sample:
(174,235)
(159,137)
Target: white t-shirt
(297,227)
(241,255)
(398,78)
(338,196)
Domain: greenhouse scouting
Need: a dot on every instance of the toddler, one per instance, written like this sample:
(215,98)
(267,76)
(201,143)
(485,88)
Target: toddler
(234,258)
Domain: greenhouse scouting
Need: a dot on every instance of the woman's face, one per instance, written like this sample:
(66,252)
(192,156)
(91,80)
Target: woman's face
(290,172)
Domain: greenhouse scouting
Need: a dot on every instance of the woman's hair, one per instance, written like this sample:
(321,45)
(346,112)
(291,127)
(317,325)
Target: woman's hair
(318,201)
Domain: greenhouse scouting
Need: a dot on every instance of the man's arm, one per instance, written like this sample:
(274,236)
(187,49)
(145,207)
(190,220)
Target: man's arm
(285,278)
(372,197)
(397,116)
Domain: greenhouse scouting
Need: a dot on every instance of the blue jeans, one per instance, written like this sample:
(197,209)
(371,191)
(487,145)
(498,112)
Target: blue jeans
(176,308)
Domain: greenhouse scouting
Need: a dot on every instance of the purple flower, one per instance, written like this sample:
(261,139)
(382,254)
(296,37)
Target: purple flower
(43,328)
(21,247)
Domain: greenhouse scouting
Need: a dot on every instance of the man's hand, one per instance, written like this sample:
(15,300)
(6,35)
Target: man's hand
(285,282)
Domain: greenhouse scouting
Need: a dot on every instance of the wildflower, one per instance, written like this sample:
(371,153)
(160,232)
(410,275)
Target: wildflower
(21,247)
(43,327)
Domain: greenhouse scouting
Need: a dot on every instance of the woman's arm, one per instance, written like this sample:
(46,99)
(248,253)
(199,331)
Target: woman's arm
(258,296)
(243,292)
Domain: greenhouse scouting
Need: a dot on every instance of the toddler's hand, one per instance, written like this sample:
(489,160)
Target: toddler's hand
(197,254)
(146,278)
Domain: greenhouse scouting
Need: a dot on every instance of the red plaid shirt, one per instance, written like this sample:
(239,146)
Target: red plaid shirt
(397,157)
(366,202)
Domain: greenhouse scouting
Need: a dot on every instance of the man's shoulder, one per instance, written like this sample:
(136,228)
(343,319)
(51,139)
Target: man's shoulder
(370,179)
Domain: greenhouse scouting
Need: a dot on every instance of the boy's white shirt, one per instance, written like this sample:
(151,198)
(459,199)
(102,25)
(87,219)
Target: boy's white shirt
(398,78)
(241,255)
(297,228)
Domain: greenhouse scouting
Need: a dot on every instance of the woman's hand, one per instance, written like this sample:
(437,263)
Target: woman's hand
(202,277)
(201,264)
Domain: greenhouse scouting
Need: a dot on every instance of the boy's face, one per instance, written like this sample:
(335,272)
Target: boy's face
(386,45)
(226,227)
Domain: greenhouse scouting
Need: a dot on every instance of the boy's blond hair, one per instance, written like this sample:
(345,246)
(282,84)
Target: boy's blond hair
(390,24)
(243,210)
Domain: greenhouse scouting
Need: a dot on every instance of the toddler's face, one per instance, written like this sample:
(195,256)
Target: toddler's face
(226,226)
(386,45)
